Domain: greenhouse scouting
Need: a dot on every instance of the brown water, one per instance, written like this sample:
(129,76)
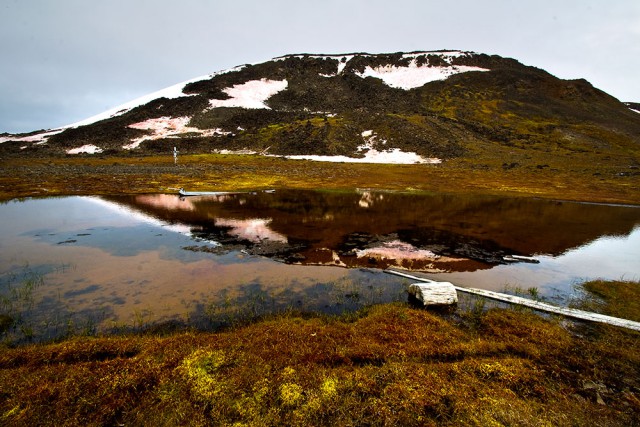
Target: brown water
(89,263)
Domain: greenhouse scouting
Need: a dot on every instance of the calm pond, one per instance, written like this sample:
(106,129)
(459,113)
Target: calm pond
(86,264)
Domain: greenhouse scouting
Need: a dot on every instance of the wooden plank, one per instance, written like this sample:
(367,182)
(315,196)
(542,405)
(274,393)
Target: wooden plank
(520,258)
(512,299)
(184,193)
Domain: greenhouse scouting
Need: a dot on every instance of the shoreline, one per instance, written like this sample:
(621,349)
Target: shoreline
(150,174)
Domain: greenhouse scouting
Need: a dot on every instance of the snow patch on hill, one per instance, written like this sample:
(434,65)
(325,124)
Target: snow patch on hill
(447,55)
(367,152)
(168,127)
(87,149)
(39,138)
(394,156)
(439,71)
(414,76)
(170,92)
(175,91)
(251,94)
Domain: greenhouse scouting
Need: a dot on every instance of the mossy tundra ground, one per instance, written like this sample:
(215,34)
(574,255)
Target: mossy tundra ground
(510,173)
(387,365)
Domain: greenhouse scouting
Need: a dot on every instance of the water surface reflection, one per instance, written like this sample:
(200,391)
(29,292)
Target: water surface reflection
(436,233)
(106,262)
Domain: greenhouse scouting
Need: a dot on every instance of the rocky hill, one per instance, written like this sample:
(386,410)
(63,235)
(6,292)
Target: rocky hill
(419,107)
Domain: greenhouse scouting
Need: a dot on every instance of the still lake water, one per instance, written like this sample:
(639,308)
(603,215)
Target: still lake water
(97,263)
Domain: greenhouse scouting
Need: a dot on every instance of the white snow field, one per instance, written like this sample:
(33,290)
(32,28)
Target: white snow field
(250,95)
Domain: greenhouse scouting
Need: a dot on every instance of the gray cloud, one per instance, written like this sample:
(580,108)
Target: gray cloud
(65,60)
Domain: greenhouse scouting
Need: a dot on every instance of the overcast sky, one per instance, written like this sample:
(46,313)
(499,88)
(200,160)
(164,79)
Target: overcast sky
(65,60)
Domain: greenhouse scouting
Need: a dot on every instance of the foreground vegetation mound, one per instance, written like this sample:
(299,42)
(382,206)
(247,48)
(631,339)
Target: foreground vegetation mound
(392,365)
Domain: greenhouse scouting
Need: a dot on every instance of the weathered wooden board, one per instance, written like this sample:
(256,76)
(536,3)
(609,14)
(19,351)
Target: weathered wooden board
(565,311)
(183,193)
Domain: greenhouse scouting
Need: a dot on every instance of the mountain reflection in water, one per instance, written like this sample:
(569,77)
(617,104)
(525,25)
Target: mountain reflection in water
(433,233)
